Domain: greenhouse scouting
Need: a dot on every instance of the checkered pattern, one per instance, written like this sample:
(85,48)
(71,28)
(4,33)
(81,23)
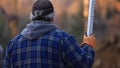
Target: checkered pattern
(55,49)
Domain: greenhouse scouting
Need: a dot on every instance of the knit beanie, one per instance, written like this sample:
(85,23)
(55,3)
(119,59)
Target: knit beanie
(42,9)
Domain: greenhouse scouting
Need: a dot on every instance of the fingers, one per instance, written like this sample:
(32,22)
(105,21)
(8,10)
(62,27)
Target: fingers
(90,40)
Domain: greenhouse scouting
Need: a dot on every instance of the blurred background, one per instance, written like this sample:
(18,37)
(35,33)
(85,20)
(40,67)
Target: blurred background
(71,16)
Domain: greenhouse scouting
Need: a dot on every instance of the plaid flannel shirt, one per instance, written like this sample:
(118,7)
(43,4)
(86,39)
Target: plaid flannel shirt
(55,49)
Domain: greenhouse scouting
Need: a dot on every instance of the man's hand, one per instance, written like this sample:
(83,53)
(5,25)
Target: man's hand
(90,40)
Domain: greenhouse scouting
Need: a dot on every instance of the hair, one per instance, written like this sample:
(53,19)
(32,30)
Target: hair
(42,10)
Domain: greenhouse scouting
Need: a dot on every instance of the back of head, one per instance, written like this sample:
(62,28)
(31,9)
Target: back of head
(42,10)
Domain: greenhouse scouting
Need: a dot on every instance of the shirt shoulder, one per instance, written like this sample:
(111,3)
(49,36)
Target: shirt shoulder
(13,41)
(63,33)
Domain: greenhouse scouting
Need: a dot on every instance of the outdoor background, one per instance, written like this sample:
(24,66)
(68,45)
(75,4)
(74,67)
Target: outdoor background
(71,16)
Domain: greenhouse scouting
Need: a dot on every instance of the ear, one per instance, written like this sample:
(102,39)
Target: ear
(31,16)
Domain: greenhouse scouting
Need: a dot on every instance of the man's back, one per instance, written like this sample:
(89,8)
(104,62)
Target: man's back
(55,49)
(42,52)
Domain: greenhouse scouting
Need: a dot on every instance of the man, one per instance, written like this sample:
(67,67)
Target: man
(1,52)
(43,45)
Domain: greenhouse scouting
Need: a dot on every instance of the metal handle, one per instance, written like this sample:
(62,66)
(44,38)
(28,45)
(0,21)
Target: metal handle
(90,17)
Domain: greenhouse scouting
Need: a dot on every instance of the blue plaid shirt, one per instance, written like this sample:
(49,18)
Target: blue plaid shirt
(55,49)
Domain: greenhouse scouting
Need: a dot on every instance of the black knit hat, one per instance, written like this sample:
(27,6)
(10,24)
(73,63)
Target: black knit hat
(42,8)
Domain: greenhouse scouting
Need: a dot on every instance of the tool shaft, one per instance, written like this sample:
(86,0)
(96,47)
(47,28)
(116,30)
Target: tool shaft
(90,17)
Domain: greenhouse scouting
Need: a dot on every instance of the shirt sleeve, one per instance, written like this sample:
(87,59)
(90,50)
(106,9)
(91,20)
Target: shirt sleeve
(76,56)
(7,60)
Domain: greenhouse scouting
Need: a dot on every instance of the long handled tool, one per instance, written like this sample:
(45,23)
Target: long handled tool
(90,17)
